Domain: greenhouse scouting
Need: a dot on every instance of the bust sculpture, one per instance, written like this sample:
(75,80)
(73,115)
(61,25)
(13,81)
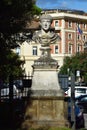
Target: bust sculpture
(45,36)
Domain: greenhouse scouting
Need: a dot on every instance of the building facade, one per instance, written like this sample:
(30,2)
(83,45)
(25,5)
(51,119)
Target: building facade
(70,26)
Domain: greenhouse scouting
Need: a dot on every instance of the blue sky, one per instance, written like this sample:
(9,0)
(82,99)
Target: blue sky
(64,4)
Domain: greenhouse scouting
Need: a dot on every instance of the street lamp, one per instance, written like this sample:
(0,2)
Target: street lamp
(73,101)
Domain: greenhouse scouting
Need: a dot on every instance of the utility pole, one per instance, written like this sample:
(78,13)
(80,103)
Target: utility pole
(73,120)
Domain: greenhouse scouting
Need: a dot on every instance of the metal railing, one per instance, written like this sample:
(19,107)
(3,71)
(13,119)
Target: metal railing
(17,88)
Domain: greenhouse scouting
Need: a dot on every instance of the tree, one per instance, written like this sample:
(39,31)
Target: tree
(74,63)
(10,65)
(13,17)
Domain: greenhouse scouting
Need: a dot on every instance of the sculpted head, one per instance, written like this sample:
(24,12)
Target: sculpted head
(45,21)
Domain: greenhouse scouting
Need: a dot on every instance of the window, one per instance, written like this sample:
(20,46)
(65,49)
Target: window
(78,37)
(80,90)
(69,36)
(69,24)
(84,99)
(70,48)
(84,38)
(84,26)
(78,48)
(56,23)
(34,50)
(56,49)
(78,25)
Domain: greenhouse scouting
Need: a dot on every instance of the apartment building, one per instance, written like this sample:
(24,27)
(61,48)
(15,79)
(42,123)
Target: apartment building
(71,26)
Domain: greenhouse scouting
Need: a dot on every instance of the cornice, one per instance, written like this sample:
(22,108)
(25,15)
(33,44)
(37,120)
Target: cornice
(68,16)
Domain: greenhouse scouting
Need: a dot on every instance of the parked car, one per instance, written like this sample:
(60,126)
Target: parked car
(80,84)
(79,117)
(79,90)
(82,101)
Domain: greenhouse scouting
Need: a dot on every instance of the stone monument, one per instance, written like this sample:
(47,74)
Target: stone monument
(46,105)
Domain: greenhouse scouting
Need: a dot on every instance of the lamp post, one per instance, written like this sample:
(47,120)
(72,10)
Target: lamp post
(78,75)
(73,120)
(73,101)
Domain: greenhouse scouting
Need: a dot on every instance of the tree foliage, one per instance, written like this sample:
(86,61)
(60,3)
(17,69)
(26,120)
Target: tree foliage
(13,17)
(11,65)
(74,63)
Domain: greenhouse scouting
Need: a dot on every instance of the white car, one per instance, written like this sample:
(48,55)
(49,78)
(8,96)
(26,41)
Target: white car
(79,90)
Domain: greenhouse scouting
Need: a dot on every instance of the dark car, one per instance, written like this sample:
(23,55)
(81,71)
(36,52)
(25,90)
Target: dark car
(79,117)
(82,101)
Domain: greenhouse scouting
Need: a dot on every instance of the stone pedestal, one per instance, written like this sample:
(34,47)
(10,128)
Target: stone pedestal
(46,106)
(45,112)
(45,82)
(45,77)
